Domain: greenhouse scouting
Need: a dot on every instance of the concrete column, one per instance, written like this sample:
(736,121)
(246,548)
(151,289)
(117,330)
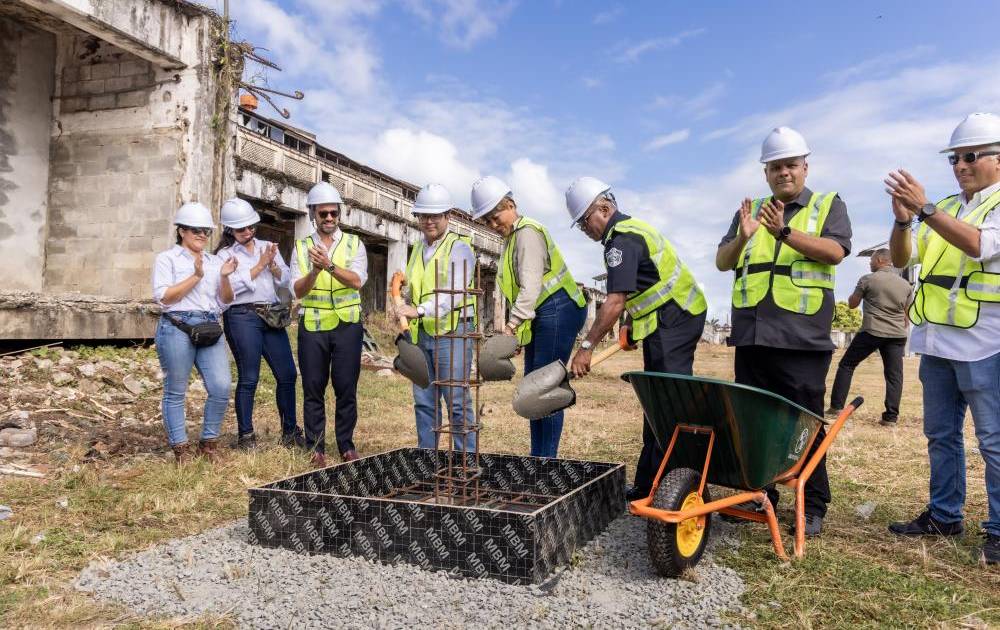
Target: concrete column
(395,261)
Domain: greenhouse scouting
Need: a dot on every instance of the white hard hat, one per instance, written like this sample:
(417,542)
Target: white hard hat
(237,213)
(322,193)
(783,142)
(432,199)
(977,129)
(581,193)
(487,192)
(193,214)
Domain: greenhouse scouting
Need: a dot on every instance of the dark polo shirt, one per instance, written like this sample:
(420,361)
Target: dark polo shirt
(769,325)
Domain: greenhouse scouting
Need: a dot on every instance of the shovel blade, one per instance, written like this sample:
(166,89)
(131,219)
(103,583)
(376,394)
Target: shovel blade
(544,392)
(494,358)
(411,362)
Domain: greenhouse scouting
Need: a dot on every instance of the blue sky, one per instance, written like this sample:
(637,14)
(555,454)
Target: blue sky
(666,101)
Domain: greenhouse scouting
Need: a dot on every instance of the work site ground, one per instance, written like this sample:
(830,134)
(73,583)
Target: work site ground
(97,482)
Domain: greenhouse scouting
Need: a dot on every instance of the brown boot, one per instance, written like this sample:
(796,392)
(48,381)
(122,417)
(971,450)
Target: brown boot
(208,449)
(182,453)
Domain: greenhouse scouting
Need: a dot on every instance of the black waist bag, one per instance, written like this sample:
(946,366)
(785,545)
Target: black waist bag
(204,334)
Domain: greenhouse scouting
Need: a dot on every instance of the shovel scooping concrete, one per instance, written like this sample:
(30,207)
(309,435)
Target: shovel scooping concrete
(411,361)
(546,390)
(494,358)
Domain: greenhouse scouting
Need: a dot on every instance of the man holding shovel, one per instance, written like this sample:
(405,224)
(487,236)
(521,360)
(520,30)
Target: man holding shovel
(441,260)
(332,267)
(547,308)
(784,250)
(666,307)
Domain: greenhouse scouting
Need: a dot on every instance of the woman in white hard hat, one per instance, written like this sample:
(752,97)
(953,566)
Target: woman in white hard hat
(445,253)
(255,321)
(547,308)
(192,286)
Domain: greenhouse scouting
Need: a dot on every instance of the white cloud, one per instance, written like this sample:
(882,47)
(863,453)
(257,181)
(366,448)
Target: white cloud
(422,157)
(591,83)
(630,53)
(535,192)
(878,66)
(667,139)
(610,15)
(701,105)
(462,23)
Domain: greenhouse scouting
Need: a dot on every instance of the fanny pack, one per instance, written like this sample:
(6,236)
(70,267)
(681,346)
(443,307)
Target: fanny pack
(204,334)
(275,315)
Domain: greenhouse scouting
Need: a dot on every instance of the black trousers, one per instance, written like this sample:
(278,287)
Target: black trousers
(325,356)
(799,376)
(668,349)
(863,344)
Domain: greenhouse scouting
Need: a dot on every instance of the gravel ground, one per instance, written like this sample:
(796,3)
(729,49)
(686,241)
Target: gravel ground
(611,586)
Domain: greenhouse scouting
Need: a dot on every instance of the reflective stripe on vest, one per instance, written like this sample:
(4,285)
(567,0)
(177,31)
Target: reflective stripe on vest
(329,301)
(952,286)
(556,278)
(422,283)
(796,283)
(676,282)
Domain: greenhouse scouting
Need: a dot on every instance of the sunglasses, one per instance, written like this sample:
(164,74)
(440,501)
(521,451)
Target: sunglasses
(969,157)
(327,213)
(246,228)
(582,223)
(199,231)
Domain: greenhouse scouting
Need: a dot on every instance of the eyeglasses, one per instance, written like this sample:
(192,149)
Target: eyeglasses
(246,228)
(328,213)
(969,157)
(582,223)
(199,231)
(429,218)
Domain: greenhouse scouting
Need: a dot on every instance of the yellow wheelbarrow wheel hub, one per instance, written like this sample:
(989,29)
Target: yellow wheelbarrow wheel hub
(690,531)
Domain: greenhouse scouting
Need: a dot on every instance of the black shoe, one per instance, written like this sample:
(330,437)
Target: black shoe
(991,549)
(888,422)
(832,412)
(246,442)
(926,525)
(749,506)
(814,526)
(295,438)
(633,493)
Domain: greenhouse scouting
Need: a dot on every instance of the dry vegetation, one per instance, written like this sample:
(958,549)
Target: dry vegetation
(108,491)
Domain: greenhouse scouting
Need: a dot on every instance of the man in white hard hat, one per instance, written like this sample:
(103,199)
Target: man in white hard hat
(331,269)
(646,278)
(441,260)
(784,249)
(547,308)
(956,317)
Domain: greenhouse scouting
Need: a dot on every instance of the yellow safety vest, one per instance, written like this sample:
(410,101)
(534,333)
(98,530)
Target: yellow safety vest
(952,286)
(557,278)
(422,283)
(676,281)
(795,281)
(330,301)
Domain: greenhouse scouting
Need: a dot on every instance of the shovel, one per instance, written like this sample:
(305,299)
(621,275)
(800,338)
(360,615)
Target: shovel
(411,361)
(546,390)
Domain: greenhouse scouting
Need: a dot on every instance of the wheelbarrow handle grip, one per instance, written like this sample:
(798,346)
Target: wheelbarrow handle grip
(396,291)
(857,402)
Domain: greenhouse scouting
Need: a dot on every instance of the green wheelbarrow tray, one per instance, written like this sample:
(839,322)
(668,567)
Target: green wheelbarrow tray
(760,437)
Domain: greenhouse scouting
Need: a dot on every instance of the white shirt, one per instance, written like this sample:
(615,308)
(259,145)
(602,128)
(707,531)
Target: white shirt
(983,339)
(358,264)
(177,264)
(461,254)
(254,290)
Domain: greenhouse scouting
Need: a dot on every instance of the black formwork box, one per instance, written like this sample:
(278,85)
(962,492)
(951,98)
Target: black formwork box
(530,516)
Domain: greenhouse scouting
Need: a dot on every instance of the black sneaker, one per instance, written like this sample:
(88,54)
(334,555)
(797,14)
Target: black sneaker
(991,549)
(295,438)
(246,442)
(633,493)
(814,526)
(926,525)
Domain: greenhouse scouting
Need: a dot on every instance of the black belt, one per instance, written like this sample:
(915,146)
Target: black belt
(779,270)
(946,282)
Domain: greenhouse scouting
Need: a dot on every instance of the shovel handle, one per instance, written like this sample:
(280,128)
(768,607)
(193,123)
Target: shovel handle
(396,291)
(604,355)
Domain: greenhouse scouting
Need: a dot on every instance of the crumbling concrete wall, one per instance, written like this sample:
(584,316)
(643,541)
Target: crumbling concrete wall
(27,60)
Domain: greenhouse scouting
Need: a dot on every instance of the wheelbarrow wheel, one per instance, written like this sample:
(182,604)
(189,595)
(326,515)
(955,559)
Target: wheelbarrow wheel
(674,547)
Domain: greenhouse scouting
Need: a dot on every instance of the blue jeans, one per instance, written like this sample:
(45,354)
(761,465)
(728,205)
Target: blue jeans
(950,387)
(249,339)
(553,334)
(450,366)
(177,356)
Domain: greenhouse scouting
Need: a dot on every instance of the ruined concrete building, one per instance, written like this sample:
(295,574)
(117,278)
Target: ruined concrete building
(111,115)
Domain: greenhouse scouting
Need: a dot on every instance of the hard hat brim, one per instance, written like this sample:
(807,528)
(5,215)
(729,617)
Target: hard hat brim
(241,224)
(490,207)
(426,210)
(783,155)
(583,210)
(972,142)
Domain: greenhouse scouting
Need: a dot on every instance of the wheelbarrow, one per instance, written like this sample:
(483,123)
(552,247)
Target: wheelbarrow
(724,434)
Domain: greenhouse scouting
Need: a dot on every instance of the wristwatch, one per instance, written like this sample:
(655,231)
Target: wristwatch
(927,210)
(783,233)
(586,345)
(421,311)
(330,268)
